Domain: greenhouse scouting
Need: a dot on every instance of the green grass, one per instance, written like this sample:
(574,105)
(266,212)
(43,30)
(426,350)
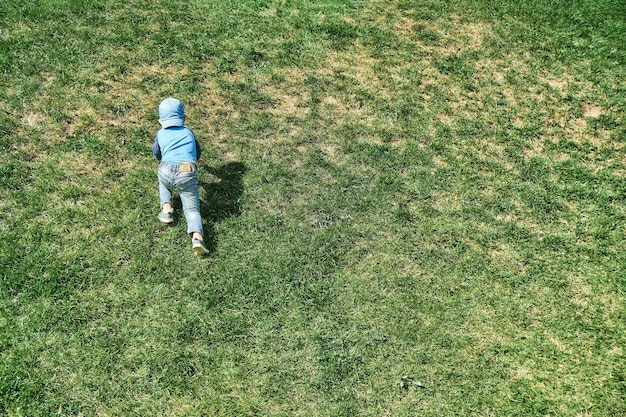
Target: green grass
(412,208)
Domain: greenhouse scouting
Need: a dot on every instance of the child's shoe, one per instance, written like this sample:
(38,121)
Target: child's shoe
(198,246)
(166,216)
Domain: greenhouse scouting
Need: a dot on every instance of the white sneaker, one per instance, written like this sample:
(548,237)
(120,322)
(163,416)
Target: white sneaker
(198,247)
(166,216)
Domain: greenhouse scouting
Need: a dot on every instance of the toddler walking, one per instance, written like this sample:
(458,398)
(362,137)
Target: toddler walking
(178,150)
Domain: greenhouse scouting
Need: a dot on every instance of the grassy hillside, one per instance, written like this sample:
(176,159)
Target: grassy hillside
(412,208)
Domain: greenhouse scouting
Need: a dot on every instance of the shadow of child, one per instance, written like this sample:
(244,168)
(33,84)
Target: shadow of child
(220,199)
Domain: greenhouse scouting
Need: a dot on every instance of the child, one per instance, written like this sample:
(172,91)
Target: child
(178,150)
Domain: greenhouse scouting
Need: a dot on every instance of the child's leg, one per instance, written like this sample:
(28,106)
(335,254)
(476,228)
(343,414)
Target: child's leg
(191,207)
(189,196)
(165,195)
(165,188)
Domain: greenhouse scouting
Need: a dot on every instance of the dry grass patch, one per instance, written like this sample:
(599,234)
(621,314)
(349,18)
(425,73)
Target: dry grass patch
(35,119)
(592,110)
(359,65)
(447,202)
(557,84)
(521,217)
(291,96)
(506,256)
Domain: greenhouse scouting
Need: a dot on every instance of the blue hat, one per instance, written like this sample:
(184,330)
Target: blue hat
(171,113)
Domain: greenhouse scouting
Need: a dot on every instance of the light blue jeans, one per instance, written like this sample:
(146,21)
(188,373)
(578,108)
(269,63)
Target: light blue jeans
(186,183)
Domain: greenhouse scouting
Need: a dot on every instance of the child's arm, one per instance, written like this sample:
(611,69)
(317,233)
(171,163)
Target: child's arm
(156,149)
(198,149)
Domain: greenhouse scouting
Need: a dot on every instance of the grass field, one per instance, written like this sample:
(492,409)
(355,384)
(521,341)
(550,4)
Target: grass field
(413,208)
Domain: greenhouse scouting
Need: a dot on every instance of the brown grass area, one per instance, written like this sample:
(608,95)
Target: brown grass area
(592,110)
(291,98)
(506,255)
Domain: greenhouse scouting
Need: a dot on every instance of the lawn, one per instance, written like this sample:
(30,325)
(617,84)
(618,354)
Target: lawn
(413,208)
